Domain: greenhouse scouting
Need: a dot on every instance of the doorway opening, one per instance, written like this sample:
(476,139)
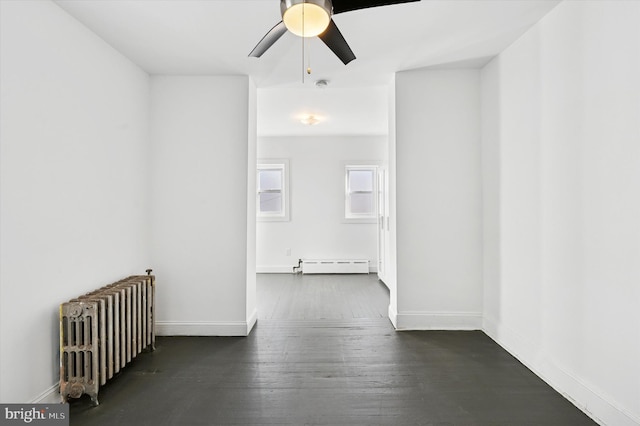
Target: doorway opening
(321,195)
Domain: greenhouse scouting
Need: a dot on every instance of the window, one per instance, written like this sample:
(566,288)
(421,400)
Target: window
(272,202)
(360,194)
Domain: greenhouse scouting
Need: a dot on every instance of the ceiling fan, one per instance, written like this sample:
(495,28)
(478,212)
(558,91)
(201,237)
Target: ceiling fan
(310,18)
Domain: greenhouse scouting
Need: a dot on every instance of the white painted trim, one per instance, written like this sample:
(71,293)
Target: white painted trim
(50,396)
(278,269)
(202,328)
(393,316)
(284,165)
(414,320)
(601,409)
(356,218)
(251,321)
(288,269)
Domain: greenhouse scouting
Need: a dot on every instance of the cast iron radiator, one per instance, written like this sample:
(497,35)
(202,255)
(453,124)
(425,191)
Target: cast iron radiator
(102,331)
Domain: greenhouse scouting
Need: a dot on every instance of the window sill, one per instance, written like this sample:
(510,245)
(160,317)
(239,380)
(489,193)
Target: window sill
(359,220)
(272,219)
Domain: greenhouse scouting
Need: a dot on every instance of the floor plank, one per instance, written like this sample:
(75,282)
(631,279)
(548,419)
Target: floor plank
(319,356)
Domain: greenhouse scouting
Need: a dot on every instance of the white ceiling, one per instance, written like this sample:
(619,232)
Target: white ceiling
(200,37)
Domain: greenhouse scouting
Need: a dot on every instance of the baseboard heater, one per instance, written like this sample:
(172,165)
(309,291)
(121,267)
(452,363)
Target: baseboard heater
(102,331)
(329,266)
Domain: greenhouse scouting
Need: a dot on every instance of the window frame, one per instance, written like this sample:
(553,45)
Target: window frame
(284,214)
(349,216)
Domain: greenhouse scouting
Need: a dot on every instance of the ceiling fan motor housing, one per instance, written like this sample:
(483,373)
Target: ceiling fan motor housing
(318,14)
(325,4)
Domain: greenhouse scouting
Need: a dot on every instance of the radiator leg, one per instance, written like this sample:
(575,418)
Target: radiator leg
(94,400)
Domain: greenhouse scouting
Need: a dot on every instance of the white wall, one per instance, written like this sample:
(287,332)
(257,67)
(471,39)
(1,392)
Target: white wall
(199,218)
(317,228)
(438,199)
(251,308)
(490,158)
(391,274)
(561,121)
(73,185)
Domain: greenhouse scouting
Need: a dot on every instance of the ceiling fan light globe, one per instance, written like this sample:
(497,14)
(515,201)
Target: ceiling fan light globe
(306,18)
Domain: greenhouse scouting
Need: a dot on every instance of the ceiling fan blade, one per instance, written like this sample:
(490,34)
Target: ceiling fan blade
(340,6)
(333,38)
(267,41)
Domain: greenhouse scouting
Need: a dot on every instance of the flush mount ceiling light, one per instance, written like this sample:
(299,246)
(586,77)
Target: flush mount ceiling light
(306,18)
(310,120)
(309,18)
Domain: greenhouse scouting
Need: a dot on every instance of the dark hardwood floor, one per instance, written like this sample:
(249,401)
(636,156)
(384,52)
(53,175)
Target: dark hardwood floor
(324,353)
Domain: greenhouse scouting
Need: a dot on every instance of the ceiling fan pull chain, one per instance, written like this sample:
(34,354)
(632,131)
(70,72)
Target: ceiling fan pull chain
(308,59)
(303,41)
(307,47)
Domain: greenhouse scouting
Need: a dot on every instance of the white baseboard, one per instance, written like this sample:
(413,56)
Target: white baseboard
(393,316)
(50,396)
(412,320)
(251,321)
(203,328)
(282,269)
(288,269)
(591,402)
